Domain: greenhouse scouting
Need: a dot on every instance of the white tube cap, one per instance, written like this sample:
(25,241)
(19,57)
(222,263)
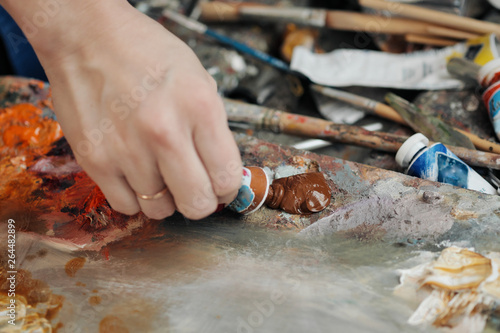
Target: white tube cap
(487,71)
(410,148)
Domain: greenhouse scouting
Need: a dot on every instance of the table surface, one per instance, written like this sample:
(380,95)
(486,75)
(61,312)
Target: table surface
(266,272)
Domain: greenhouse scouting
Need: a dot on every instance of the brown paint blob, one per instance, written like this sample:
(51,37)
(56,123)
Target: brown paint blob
(300,194)
(80,284)
(42,253)
(74,265)
(112,324)
(95,300)
(35,291)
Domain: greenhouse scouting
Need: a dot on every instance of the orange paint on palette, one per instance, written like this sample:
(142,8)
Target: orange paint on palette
(41,185)
(24,127)
(95,300)
(74,265)
(112,324)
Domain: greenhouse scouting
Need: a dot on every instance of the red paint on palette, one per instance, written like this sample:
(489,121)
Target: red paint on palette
(105,253)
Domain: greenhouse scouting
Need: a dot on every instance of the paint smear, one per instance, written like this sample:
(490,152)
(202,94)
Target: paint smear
(74,265)
(112,324)
(45,190)
(95,300)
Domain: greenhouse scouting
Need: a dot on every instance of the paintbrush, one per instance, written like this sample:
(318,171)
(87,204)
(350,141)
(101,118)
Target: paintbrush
(366,104)
(464,69)
(202,29)
(387,112)
(433,16)
(427,124)
(262,118)
(323,18)
(429,40)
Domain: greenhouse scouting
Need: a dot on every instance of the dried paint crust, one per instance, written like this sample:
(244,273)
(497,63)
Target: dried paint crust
(42,186)
(371,204)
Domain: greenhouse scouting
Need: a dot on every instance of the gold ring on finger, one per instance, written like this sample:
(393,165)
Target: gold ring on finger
(152,196)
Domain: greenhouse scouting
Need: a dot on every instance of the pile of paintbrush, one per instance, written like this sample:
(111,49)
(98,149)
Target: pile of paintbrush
(399,110)
(416,24)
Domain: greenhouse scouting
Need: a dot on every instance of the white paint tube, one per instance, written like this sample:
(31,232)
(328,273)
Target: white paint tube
(424,70)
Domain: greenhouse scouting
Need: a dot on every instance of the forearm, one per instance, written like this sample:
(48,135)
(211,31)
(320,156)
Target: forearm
(57,27)
(140,112)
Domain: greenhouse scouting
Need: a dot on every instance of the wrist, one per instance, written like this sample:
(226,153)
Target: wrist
(56,28)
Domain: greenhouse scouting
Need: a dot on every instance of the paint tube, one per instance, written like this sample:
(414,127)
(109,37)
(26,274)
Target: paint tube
(437,163)
(489,73)
(483,49)
(489,78)
(491,98)
(253,191)
(424,70)
(303,194)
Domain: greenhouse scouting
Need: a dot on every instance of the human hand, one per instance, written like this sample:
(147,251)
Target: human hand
(141,114)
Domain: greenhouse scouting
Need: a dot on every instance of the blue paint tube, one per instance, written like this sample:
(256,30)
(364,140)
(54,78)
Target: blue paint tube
(439,164)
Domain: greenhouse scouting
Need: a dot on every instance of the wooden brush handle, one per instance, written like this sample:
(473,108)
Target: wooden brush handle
(451,33)
(223,11)
(429,40)
(284,122)
(344,20)
(327,130)
(433,16)
(387,112)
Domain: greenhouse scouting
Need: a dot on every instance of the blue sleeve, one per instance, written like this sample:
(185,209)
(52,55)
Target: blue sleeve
(20,54)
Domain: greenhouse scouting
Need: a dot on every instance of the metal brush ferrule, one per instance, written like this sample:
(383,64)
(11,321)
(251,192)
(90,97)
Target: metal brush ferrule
(254,116)
(305,16)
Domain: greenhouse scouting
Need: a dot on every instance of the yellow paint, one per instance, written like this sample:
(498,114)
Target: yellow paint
(481,50)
